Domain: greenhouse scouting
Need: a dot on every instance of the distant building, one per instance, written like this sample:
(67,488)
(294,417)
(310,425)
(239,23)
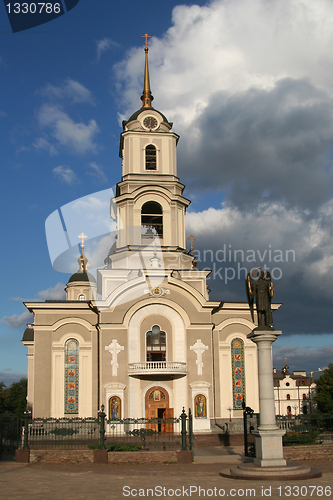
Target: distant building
(293,393)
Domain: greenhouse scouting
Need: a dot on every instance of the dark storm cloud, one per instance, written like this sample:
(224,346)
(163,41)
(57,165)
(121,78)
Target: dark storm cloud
(296,249)
(302,358)
(258,145)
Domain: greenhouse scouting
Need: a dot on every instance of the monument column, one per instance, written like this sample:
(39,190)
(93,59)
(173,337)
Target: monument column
(269,451)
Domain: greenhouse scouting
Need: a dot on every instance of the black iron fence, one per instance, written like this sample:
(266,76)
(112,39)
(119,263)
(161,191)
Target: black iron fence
(60,432)
(250,423)
(306,429)
(114,434)
(10,436)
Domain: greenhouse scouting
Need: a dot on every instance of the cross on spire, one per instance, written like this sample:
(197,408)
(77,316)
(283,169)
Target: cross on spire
(191,238)
(82,260)
(82,237)
(146,39)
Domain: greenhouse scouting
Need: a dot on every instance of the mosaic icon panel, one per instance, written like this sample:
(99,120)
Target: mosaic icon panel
(72,376)
(238,373)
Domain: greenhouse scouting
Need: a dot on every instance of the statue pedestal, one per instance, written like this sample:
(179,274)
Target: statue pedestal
(269,450)
(269,463)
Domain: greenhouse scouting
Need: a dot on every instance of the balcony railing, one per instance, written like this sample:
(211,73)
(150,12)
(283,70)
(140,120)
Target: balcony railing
(157,367)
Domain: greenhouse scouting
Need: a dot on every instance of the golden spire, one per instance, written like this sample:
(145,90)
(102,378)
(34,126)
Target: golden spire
(146,97)
(82,260)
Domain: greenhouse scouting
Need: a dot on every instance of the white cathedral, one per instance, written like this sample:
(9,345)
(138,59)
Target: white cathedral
(144,339)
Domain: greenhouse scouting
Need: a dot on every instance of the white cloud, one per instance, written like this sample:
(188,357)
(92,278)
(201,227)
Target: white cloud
(56,292)
(70,89)
(18,320)
(232,46)
(103,45)
(97,172)
(249,87)
(66,174)
(43,144)
(76,137)
(53,293)
(21,320)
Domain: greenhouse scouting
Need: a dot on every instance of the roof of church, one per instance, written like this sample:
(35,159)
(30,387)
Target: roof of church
(82,276)
(136,114)
(28,335)
(280,375)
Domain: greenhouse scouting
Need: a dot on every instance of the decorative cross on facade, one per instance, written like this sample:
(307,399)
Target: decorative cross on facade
(146,39)
(199,348)
(114,348)
(82,237)
(191,238)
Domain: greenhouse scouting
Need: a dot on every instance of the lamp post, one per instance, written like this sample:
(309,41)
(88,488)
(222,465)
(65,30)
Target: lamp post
(229,410)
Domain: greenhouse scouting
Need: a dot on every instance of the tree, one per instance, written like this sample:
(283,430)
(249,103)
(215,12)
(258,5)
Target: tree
(324,395)
(17,397)
(13,398)
(3,398)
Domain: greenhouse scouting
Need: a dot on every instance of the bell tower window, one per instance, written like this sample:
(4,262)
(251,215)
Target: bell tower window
(152,220)
(156,344)
(150,157)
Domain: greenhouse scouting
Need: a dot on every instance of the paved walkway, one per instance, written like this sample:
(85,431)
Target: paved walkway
(169,481)
(218,454)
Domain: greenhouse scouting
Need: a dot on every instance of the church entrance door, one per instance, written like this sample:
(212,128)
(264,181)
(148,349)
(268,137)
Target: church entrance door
(157,406)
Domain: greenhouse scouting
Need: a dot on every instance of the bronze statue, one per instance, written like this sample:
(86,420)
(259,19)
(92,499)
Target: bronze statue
(260,289)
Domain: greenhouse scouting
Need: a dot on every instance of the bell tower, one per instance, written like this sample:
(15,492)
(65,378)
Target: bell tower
(149,201)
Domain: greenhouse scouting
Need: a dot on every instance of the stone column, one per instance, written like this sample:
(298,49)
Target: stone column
(269,450)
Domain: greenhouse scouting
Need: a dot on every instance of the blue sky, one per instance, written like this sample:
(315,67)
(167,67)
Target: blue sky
(249,87)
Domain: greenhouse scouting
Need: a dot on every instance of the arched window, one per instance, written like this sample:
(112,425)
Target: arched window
(289,410)
(152,220)
(288,397)
(156,344)
(238,373)
(71,376)
(82,297)
(305,410)
(304,397)
(150,157)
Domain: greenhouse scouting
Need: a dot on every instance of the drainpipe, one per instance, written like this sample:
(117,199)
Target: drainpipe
(98,329)
(213,367)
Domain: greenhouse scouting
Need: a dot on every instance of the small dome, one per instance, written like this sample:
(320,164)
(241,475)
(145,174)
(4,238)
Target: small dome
(28,335)
(139,111)
(82,276)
